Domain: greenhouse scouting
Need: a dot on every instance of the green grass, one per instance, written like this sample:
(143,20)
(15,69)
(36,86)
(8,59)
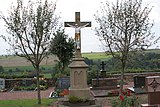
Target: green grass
(96,55)
(47,75)
(26,103)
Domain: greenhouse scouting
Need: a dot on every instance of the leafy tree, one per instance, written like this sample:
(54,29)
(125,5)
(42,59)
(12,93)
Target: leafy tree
(63,47)
(93,73)
(124,27)
(30,28)
(1,69)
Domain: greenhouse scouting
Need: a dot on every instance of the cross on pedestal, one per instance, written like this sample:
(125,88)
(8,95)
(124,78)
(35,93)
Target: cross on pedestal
(77,25)
(78,73)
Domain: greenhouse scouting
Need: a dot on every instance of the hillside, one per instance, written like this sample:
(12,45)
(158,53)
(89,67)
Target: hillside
(14,61)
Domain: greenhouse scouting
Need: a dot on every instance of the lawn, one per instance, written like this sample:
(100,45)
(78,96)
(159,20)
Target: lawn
(26,103)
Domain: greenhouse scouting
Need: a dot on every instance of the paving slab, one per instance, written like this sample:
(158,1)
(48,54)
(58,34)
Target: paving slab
(99,93)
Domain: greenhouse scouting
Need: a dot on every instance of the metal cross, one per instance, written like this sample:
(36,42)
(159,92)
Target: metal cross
(77,25)
(102,65)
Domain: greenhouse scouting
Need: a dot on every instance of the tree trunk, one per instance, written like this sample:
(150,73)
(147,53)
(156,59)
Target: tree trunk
(122,77)
(121,81)
(63,67)
(38,87)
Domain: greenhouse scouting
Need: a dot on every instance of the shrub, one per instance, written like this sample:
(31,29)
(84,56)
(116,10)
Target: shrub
(1,69)
(126,100)
(75,99)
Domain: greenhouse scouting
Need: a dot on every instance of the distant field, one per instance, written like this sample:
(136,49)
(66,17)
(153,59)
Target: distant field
(96,55)
(14,61)
(157,51)
(10,62)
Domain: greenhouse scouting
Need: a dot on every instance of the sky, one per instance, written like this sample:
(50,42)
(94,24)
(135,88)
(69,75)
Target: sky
(66,10)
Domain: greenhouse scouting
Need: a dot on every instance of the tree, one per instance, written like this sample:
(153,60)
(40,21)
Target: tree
(63,47)
(30,28)
(124,28)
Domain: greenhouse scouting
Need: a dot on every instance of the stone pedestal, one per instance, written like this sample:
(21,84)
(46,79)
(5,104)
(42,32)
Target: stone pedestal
(78,78)
(103,74)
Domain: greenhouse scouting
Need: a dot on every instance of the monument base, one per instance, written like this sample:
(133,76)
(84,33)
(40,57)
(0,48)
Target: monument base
(82,92)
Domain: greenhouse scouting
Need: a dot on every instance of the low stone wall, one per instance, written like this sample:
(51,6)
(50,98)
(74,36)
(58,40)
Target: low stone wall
(10,83)
(130,76)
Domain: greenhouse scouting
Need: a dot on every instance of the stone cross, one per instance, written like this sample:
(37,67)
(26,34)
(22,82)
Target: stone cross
(103,72)
(102,65)
(77,25)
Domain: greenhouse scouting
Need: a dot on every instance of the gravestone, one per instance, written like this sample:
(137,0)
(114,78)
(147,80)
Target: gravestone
(153,90)
(139,81)
(139,85)
(2,83)
(63,83)
(78,74)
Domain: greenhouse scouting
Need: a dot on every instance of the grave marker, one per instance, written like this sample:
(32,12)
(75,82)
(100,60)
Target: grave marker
(139,85)
(2,83)
(139,81)
(63,83)
(78,74)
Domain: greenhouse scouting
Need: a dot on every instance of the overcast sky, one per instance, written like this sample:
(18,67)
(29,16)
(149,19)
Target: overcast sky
(87,8)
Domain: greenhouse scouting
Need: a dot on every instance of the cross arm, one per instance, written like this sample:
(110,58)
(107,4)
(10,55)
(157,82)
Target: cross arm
(66,24)
(84,23)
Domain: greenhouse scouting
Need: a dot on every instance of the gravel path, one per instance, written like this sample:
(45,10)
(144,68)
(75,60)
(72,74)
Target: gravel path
(15,95)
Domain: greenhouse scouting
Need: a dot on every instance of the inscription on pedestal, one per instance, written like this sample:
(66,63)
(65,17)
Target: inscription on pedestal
(77,78)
